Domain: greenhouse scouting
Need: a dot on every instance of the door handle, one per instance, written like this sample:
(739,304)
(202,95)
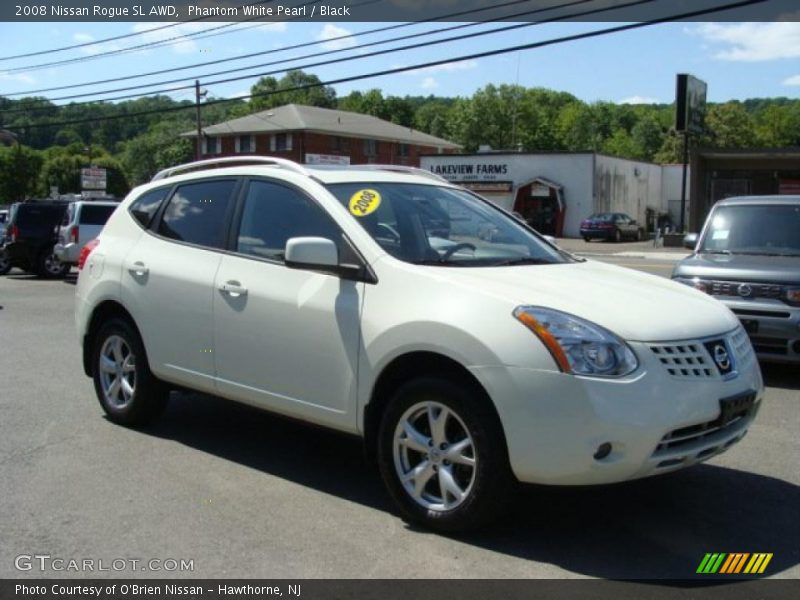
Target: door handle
(138,269)
(233,288)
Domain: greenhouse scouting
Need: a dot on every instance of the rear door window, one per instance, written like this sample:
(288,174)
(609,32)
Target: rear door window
(92,214)
(196,213)
(146,206)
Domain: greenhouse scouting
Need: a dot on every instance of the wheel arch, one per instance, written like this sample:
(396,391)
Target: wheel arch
(104,311)
(404,368)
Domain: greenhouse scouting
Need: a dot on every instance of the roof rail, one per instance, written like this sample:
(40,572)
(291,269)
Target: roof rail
(401,169)
(236,160)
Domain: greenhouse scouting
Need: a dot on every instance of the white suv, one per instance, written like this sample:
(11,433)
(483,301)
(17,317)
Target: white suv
(370,300)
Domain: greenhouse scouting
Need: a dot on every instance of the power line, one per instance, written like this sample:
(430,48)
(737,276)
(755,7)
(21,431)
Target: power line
(155,44)
(327,53)
(261,53)
(425,65)
(116,37)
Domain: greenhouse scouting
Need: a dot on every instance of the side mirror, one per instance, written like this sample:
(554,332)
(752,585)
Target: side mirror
(690,241)
(311,253)
(321,254)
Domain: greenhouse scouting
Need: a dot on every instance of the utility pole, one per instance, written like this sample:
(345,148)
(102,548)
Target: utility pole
(197,95)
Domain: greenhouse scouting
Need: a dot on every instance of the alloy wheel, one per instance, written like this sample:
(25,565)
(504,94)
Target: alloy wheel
(434,456)
(117,372)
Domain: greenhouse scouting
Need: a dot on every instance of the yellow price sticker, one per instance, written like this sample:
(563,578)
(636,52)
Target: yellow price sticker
(364,202)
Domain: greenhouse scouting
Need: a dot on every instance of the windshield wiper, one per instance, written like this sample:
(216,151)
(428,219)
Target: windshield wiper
(522,260)
(715,252)
(438,262)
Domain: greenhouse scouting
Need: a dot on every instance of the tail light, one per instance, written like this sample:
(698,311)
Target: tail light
(73,234)
(86,251)
(13,233)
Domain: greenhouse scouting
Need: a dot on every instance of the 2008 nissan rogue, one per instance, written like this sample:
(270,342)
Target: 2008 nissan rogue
(466,350)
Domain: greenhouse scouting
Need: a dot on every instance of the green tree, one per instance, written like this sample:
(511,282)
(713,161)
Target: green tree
(19,172)
(285,91)
(730,126)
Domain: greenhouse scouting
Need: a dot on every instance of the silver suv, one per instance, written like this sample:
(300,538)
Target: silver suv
(748,256)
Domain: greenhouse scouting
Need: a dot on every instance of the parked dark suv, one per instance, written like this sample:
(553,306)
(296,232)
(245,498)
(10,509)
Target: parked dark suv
(31,235)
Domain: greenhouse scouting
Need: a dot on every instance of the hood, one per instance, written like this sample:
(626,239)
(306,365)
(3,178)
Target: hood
(741,267)
(634,305)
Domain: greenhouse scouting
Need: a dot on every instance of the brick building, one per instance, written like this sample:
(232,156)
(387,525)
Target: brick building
(312,135)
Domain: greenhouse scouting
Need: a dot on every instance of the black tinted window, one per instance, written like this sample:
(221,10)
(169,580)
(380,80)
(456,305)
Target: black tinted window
(37,215)
(274,213)
(91,214)
(196,213)
(146,205)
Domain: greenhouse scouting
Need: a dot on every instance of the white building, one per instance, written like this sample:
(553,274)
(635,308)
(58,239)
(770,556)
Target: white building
(556,191)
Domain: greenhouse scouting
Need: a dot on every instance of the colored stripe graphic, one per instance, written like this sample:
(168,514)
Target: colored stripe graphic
(758,563)
(711,562)
(733,563)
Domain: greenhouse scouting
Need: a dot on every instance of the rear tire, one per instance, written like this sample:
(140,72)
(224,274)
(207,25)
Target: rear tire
(443,457)
(127,390)
(5,262)
(49,266)
(587,239)
(639,235)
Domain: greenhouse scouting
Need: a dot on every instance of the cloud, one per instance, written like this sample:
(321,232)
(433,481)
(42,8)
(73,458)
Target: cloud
(639,100)
(793,80)
(331,31)
(429,83)
(177,35)
(17,77)
(461,65)
(87,38)
(753,42)
(276,27)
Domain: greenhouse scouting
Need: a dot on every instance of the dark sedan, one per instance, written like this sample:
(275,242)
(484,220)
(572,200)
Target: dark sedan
(611,226)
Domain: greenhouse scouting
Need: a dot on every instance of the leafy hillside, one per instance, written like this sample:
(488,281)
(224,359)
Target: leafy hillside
(133,146)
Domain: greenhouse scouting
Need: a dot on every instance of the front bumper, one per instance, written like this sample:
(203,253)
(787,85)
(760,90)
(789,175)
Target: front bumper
(773,327)
(655,421)
(599,234)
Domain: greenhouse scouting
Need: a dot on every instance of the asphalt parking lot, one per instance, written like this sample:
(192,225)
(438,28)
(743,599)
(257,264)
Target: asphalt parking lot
(242,493)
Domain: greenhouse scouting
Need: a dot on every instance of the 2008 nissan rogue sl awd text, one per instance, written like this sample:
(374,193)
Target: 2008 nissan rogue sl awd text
(372,301)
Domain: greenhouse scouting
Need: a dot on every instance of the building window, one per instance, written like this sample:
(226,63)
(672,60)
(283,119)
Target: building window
(402,150)
(340,144)
(246,144)
(212,145)
(281,142)
(371,148)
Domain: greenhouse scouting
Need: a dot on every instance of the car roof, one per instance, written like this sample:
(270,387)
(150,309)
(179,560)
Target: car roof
(326,174)
(759,200)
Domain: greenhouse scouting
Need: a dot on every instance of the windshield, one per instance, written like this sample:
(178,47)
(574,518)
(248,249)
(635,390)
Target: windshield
(424,224)
(772,230)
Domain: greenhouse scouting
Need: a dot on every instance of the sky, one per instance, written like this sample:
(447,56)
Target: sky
(737,60)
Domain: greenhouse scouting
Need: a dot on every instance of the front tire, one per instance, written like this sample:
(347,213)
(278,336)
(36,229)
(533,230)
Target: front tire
(127,390)
(442,455)
(617,236)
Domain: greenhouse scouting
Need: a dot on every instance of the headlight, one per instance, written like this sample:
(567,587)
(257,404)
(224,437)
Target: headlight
(694,282)
(578,346)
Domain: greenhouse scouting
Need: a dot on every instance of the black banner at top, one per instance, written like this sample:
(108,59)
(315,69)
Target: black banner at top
(390,10)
